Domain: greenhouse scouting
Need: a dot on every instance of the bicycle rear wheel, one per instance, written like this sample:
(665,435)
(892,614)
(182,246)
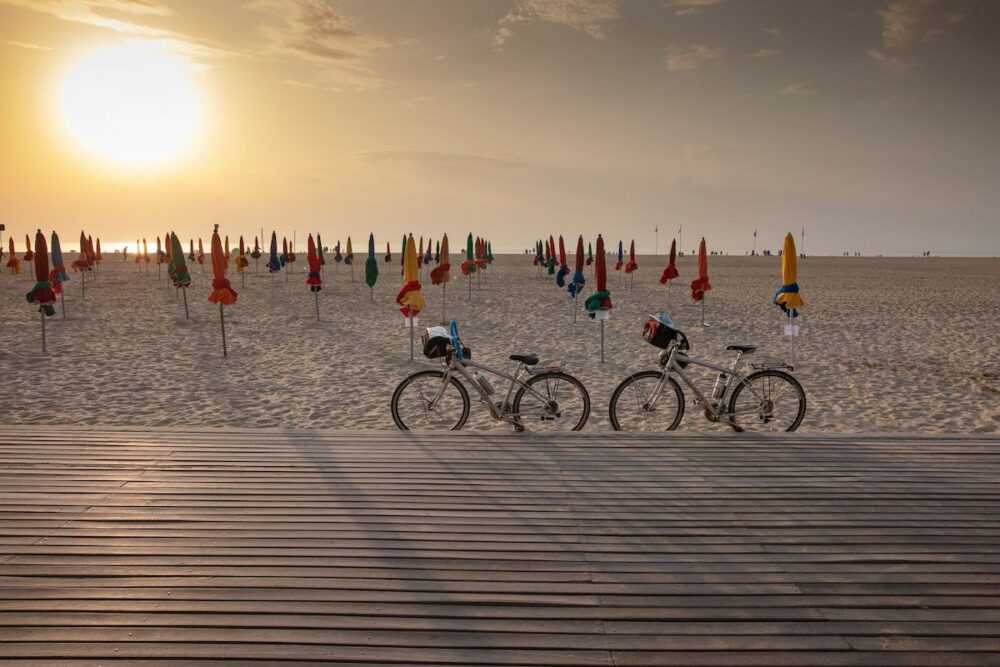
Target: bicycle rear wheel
(634,407)
(564,406)
(412,409)
(767,401)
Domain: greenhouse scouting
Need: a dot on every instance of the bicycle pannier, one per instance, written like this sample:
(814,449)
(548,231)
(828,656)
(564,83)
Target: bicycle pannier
(658,334)
(435,342)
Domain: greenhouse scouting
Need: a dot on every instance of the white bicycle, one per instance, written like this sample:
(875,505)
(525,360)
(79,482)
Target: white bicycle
(768,398)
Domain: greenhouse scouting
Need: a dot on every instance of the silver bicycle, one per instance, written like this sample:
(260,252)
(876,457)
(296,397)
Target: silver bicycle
(768,398)
(537,398)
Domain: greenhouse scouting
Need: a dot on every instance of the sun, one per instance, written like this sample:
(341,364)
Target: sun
(133,105)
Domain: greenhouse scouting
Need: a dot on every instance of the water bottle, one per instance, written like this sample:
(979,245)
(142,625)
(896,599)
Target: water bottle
(485,384)
(720,386)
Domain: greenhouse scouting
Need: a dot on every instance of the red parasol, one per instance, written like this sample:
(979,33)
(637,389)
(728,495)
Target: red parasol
(315,281)
(700,284)
(631,266)
(670,271)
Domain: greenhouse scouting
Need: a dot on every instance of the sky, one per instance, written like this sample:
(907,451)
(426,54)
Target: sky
(870,123)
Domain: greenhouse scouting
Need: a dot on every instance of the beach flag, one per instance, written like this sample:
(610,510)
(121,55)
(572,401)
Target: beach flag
(273,261)
(563,268)
(13,263)
(28,255)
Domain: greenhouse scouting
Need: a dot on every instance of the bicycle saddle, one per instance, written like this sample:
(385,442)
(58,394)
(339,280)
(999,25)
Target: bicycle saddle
(744,349)
(526,359)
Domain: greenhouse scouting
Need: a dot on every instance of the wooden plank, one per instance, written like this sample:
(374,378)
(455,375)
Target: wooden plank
(213,547)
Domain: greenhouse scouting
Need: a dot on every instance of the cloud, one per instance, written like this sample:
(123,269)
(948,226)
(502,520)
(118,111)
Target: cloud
(691,7)
(588,16)
(901,21)
(800,89)
(125,17)
(764,53)
(777,33)
(893,63)
(26,45)
(312,31)
(678,59)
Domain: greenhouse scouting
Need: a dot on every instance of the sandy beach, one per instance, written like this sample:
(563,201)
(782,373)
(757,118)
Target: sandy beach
(887,345)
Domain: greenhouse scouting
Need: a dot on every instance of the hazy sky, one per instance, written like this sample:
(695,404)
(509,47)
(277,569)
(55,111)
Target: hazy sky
(870,123)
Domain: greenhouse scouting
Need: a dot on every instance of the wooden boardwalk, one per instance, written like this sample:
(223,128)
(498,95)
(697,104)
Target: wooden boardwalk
(263,547)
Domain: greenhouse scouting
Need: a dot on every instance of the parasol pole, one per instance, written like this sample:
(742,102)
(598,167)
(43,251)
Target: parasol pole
(352,271)
(411,336)
(668,292)
(222,321)
(83,284)
(444,302)
(704,297)
(371,293)
(42,313)
(470,288)
(62,301)
(187,316)
(602,341)
(243,278)
(575,307)
(316,294)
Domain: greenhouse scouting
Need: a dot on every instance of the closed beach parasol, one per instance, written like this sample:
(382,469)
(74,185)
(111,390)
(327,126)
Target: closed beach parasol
(563,264)
(222,292)
(98,257)
(256,254)
(145,254)
(590,254)
(319,252)
(388,253)
(349,257)
(315,278)
(28,255)
(411,298)
(441,274)
(371,267)
(178,270)
(273,261)
(58,274)
(42,293)
(225,250)
(290,255)
(420,253)
(576,286)
(599,303)
(242,262)
(437,252)
(788,297)
(670,270)
(700,285)
(631,265)
(337,256)
(13,263)
(138,254)
(191,254)
(201,255)
(621,258)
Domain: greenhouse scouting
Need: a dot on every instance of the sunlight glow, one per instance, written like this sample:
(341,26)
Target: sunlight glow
(134,105)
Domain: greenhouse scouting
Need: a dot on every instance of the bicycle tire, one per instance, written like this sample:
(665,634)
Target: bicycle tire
(775,374)
(548,376)
(408,380)
(629,381)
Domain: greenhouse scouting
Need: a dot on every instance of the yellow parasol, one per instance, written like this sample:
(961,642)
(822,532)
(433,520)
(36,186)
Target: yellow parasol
(788,297)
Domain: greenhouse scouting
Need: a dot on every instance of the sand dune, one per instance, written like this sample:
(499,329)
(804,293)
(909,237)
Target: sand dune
(887,345)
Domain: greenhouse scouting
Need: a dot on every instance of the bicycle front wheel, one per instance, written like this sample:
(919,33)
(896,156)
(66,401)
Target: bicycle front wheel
(767,401)
(641,403)
(562,404)
(414,407)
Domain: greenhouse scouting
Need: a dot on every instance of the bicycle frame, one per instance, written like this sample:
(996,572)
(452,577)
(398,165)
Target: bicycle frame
(714,410)
(499,410)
